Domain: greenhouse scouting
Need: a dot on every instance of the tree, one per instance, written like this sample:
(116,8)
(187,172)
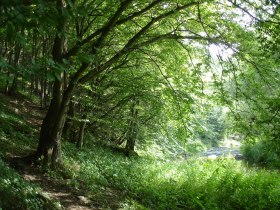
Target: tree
(248,84)
(93,38)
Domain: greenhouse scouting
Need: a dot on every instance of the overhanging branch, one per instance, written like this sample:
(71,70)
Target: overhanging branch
(129,45)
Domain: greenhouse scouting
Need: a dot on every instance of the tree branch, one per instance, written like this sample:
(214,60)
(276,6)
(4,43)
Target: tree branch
(104,31)
(79,44)
(131,41)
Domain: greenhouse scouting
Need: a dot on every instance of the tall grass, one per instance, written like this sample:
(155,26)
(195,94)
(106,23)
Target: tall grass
(191,184)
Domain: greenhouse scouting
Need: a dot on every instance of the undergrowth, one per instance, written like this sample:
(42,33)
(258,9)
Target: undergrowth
(16,135)
(192,184)
(146,182)
(16,193)
(262,153)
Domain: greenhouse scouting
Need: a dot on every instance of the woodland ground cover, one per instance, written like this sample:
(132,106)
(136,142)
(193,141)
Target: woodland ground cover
(16,137)
(184,184)
(145,182)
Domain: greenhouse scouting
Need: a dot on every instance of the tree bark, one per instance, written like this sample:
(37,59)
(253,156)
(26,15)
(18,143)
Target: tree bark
(32,84)
(51,128)
(80,141)
(14,87)
(49,134)
(67,129)
(132,132)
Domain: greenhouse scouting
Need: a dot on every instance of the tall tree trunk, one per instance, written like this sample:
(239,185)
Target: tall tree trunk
(132,132)
(7,86)
(4,51)
(6,89)
(80,141)
(49,137)
(32,84)
(37,92)
(51,128)
(67,129)
(14,87)
(42,91)
(49,89)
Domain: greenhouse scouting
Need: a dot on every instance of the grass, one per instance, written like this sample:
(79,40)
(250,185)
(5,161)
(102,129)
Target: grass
(106,176)
(192,184)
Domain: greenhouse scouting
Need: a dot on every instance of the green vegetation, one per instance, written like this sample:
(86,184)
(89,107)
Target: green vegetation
(139,104)
(261,153)
(146,182)
(185,184)
(16,134)
(16,138)
(16,193)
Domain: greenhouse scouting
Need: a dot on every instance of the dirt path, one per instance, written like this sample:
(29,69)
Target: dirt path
(32,112)
(55,189)
(69,197)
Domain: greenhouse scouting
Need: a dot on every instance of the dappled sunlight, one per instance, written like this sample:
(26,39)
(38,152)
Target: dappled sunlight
(160,181)
(139,104)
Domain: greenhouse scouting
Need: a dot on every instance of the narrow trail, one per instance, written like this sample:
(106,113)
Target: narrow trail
(32,112)
(55,189)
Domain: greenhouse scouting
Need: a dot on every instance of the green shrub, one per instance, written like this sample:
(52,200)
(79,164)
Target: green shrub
(261,153)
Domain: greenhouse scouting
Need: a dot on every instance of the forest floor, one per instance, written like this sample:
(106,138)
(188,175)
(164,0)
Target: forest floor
(52,189)
(97,177)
